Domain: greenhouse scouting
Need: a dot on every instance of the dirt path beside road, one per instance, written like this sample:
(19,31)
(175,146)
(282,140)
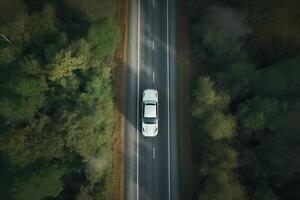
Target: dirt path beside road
(185,75)
(119,80)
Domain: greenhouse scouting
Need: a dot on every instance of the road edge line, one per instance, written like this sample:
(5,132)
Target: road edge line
(138,102)
(168,82)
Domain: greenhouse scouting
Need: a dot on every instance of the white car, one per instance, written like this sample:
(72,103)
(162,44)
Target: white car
(150,113)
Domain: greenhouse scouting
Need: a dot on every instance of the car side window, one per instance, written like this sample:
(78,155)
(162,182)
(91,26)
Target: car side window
(157,111)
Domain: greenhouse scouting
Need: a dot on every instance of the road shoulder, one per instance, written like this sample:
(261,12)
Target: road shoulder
(119,75)
(185,75)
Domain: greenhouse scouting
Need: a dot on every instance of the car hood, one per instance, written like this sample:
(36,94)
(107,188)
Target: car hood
(150,95)
(149,130)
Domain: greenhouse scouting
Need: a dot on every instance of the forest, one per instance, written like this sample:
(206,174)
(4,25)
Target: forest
(56,98)
(245,99)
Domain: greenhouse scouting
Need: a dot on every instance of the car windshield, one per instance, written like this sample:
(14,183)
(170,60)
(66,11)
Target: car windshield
(150,120)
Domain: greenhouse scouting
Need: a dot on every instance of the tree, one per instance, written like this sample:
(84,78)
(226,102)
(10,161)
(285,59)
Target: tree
(222,186)
(9,54)
(217,167)
(67,61)
(219,126)
(84,194)
(27,29)
(38,185)
(104,38)
(94,10)
(249,53)
(91,123)
(28,95)
(9,9)
(238,80)
(207,99)
(260,113)
(32,143)
(223,31)
(209,107)
(265,193)
(56,98)
(283,80)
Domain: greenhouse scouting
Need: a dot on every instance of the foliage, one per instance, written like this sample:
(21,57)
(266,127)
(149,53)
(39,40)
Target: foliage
(95,10)
(208,108)
(67,61)
(38,185)
(238,80)
(56,98)
(222,186)
(259,113)
(246,109)
(104,37)
(27,29)
(222,32)
(26,98)
(8,9)
(25,146)
(217,161)
(283,80)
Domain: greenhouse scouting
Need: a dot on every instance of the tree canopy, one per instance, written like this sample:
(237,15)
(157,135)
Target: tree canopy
(246,100)
(56,98)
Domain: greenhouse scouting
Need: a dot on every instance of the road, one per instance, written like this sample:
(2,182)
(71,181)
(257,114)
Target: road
(151,164)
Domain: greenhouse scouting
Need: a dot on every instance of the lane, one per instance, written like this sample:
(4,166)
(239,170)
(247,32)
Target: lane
(160,67)
(145,144)
(153,174)
(149,161)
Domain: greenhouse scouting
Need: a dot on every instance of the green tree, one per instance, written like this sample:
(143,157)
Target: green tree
(67,61)
(260,113)
(283,80)
(35,142)
(265,193)
(28,96)
(223,186)
(38,185)
(56,98)
(238,80)
(209,107)
(94,10)
(223,31)
(219,125)
(9,9)
(217,167)
(9,54)
(26,29)
(90,125)
(84,194)
(207,99)
(104,38)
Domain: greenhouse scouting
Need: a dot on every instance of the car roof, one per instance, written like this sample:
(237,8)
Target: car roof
(150,110)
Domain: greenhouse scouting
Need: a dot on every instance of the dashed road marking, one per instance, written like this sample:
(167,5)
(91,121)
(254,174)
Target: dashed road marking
(153,77)
(153,45)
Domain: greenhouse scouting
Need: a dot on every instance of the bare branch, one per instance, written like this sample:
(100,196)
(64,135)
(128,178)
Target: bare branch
(5,38)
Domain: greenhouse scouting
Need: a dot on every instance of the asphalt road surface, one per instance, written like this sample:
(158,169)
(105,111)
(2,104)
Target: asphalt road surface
(151,164)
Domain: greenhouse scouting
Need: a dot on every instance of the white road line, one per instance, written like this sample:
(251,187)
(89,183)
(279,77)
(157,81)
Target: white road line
(153,45)
(153,77)
(168,94)
(153,3)
(138,103)
(153,152)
